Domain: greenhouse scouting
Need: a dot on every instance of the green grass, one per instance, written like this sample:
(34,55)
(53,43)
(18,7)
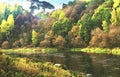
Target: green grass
(114,51)
(29,50)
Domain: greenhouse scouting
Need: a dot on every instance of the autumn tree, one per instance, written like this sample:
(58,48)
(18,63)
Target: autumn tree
(114,35)
(74,12)
(115,13)
(74,32)
(59,42)
(116,3)
(5,45)
(35,37)
(105,26)
(48,23)
(7,27)
(58,14)
(77,42)
(99,38)
(115,16)
(45,43)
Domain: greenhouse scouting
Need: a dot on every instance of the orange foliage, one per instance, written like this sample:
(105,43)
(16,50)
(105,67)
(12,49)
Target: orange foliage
(48,23)
(99,38)
(74,12)
(78,42)
(45,43)
(5,45)
(59,42)
(114,36)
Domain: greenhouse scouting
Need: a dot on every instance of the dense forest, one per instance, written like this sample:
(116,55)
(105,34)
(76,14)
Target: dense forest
(90,23)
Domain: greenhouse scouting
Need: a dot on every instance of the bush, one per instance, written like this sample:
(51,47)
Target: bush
(5,45)
(114,36)
(78,42)
(16,44)
(59,42)
(45,43)
(99,38)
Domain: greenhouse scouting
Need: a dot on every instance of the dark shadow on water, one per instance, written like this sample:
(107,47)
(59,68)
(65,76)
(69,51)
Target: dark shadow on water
(78,61)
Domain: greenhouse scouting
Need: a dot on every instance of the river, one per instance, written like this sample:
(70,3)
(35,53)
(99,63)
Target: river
(99,65)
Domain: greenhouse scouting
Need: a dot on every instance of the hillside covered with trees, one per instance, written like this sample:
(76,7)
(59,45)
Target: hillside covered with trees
(93,23)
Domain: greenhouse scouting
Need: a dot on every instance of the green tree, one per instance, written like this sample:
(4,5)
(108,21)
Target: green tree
(18,10)
(86,25)
(5,14)
(61,27)
(102,13)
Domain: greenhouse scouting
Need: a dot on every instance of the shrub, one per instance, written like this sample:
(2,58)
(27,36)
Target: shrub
(5,45)
(99,38)
(59,42)
(45,43)
(114,36)
(16,44)
(78,42)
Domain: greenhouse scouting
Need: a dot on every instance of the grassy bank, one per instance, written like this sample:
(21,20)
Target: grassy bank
(25,67)
(29,50)
(114,51)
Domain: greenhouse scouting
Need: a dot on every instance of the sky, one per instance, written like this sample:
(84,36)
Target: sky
(54,2)
(25,4)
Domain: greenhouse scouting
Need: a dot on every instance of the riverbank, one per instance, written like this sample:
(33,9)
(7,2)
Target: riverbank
(114,51)
(28,67)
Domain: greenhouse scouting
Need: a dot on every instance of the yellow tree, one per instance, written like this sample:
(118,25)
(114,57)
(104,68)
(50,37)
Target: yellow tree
(115,16)
(10,20)
(4,26)
(105,26)
(34,37)
(116,3)
(59,14)
(7,27)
